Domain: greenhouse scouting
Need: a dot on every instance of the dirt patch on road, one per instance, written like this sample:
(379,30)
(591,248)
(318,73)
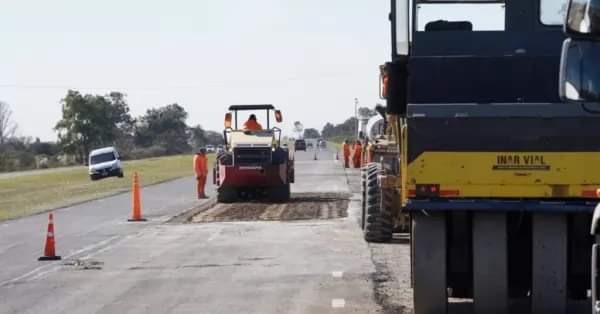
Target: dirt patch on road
(301,206)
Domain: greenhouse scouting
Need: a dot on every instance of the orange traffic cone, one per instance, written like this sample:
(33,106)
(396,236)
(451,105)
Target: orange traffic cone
(49,254)
(136,202)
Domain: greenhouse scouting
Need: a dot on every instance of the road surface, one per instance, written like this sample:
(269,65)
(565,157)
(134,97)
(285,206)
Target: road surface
(112,266)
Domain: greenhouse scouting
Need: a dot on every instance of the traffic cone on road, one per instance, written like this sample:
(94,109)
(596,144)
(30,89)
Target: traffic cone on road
(136,200)
(49,249)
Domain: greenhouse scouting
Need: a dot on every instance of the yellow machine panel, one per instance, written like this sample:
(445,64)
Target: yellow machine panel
(507,174)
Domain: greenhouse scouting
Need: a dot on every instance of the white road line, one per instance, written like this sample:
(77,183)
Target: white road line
(337,274)
(53,266)
(338,303)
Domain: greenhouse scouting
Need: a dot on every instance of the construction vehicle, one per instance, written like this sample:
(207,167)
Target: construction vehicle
(498,173)
(381,212)
(580,84)
(253,163)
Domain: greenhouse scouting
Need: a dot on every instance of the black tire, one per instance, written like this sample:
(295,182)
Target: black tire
(280,193)
(366,171)
(121,174)
(379,219)
(226,195)
(363,196)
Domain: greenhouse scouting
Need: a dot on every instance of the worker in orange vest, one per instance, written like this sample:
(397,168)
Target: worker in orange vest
(252,124)
(201,170)
(357,157)
(346,151)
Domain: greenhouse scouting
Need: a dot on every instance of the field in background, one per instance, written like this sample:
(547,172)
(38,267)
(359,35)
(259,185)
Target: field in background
(33,193)
(335,143)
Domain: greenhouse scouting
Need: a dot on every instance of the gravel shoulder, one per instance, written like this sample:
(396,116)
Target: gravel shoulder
(301,206)
(391,280)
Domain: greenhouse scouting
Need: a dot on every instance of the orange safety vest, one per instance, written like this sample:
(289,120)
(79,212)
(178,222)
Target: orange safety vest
(346,149)
(357,151)
(200,165)
(357,155)
(252,125)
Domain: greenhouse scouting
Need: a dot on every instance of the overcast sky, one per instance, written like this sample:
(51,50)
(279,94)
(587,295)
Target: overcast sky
(310,58)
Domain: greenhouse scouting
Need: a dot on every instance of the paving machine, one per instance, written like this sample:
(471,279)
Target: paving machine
(497,172)
(253,163)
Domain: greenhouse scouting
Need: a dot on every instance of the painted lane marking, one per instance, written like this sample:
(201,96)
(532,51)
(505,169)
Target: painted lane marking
(54,266)
(337,274)
(338,303)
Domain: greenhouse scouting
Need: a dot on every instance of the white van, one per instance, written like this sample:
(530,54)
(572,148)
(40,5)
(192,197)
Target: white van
(105,162)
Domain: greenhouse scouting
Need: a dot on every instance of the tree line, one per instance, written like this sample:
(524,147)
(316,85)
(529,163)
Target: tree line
(347,129)
(92,121)
(334,132)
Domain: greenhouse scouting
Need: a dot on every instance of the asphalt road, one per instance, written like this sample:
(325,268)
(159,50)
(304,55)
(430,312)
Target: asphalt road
(112,266)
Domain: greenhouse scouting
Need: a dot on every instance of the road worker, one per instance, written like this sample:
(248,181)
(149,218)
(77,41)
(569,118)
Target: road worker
(201,170)
(252,124)
(357,157)
(346,152)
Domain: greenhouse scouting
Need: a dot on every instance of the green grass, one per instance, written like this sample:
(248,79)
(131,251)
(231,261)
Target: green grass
(336,142)
(29,194)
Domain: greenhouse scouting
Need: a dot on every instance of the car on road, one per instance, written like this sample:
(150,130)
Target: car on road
(105,162)
(300,145)
(210,148)
(322,144)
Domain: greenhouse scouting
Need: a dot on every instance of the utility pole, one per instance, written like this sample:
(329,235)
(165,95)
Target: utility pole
(356,117)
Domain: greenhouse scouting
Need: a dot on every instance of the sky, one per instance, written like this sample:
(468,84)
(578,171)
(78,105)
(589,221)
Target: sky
(310,58)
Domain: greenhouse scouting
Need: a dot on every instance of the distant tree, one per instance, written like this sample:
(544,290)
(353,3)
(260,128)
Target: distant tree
(328,130)
(197,137)
(44,148)
(165,127)
(7,126)
(311,133)
(214,138)
(91,121)
(298,128)
(343,130)
(125,124)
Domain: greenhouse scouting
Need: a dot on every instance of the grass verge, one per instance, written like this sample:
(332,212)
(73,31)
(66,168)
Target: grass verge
(335,145)
(26,195)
